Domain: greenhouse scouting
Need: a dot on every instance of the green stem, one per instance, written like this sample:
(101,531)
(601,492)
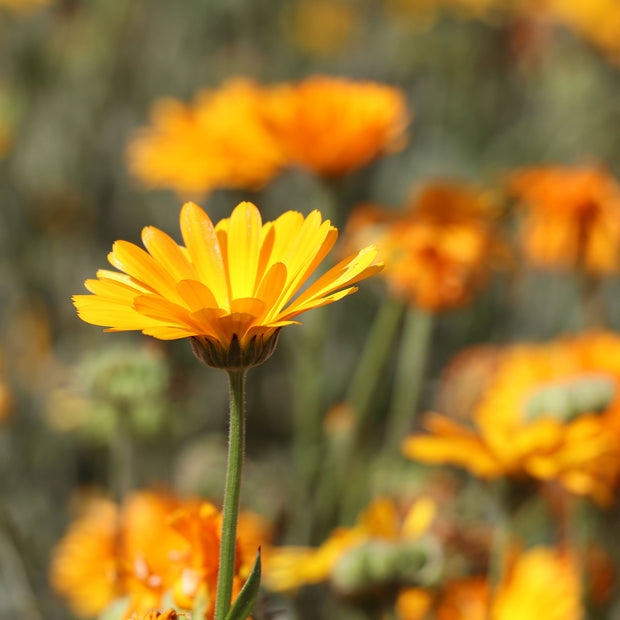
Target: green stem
(410,371)
(373,358)
(236,445)
(592,303)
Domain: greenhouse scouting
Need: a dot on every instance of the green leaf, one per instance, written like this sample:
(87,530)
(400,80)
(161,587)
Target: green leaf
(242,607)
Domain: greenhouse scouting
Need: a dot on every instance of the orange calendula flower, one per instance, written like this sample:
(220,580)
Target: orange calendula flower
(333,126)
(230,289)
(219,141)
(85,566)
(572,217)
(381,536)
(154,546)
(439,249)
(551,412)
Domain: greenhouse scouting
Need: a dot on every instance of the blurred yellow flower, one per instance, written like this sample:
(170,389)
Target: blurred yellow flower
(332,126)
(230,289)
(321,27)
(288,568)
(598,21)
(154,546)
(24,5)
(219,141)
(572,217)
(539,583)
(413,604)
(550,411)
(439,249)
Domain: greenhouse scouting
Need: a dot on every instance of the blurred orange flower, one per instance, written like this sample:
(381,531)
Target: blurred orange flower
(572,217)
(333,126)
(551,412)
(155,545)
(85,567)
(539,583)
(288,568)
(219,141)
(439,249)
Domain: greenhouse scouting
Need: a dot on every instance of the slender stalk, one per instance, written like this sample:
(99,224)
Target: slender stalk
(236,446)
(372,360)
(593,311)
(410,371)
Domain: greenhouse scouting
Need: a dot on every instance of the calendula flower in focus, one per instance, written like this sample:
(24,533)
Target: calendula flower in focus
(550,412)
(218,141)
(230,289)
(571,217)
(358,557)
(332,126)
(439,249)
(152,547)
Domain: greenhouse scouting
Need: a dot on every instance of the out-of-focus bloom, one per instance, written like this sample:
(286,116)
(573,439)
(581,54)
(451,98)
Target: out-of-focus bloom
(465,599)
(598,21)
(348,556)
(321,27)
(85,567)
(540,582)
(551,412)
(572,217)
(155,545)
(24,6)
(439,249)
(201,528)
(333,126)
(109,382)
(219,141)
(230,289)
(413,604)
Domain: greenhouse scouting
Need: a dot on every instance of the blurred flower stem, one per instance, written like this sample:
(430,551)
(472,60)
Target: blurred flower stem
(308,403)
(591,301)
(344,457)
(14,570)
(121,454)
(372,360)
(232,491)
(410,370)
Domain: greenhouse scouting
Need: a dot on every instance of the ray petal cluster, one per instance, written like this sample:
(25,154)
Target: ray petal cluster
(237,281)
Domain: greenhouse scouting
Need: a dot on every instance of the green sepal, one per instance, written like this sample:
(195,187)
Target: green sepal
(242,607)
